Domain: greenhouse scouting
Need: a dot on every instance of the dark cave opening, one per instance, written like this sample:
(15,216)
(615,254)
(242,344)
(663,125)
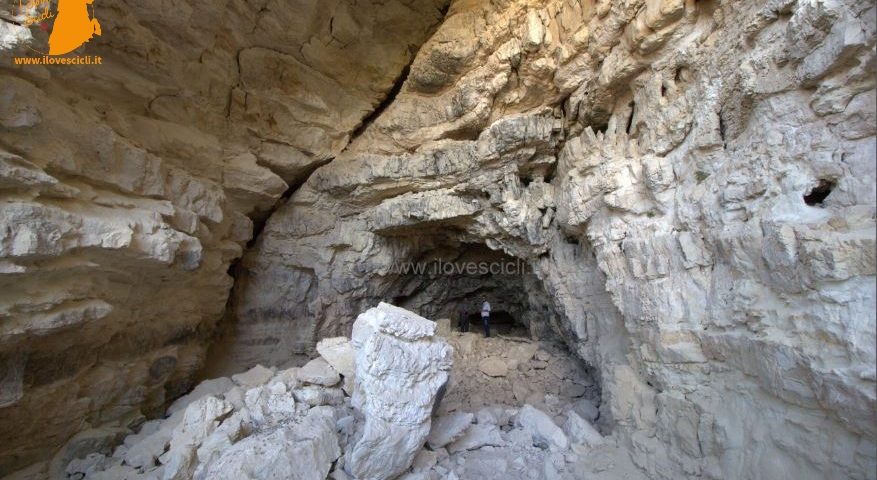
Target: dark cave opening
(444,278)
(817,195)
(501,323)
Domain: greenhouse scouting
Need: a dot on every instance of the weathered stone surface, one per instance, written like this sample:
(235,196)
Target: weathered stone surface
(586,410)
(319,372)
(475,437)
(129,188)
(690,185)
(443,327)
(628,153)
(448,428)
(253,377)
(314,395)
(301,451)
(400,366)
(544,432)
(215,386)
(265,435)
(581,431)
(339,354)
(269,404)
(200,420)
(494,367)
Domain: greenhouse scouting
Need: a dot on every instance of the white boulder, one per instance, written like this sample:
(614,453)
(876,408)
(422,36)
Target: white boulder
(339,353)
(581,431)
(319,372)
(544,432)
(400,366)
(302,451)
(448,428)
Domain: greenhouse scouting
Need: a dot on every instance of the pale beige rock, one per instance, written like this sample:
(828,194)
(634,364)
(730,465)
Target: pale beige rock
(318,372)
(127,187)
(477,436)
(689,183)
(339,354)
(494,367)
(448,428)
(620,152)
(253,377)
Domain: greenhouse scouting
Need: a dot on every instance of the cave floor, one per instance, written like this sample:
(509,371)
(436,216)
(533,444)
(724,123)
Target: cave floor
(502,374)
(511,371)
(530,411)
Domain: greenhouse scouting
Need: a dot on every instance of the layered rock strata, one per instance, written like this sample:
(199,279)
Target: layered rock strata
(691,185)
(128,189)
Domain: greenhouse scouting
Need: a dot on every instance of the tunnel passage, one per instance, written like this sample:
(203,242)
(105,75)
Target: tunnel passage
(502,322)
(441,277)
(437,275)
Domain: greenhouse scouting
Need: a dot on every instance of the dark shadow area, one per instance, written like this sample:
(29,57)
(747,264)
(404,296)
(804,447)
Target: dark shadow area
(819,193)
(442,278)
(501,323)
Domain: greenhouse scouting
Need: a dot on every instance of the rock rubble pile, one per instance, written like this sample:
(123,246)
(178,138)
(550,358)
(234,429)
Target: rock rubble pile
(362,410)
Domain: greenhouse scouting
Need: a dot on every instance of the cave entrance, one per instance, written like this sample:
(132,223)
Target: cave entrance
(528,360)
(438,277)
(501,323)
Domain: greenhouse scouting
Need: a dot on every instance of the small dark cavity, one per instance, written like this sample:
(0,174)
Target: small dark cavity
(632,107)
(820,192)
(525,180)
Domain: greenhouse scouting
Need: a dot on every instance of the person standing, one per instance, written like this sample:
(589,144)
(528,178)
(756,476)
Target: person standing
(485,316)
(463,320)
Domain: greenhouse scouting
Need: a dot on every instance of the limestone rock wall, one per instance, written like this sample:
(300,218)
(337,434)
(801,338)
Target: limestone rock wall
(128,189)
(691,182)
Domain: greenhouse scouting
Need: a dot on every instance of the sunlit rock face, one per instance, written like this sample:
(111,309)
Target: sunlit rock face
(401,364)
(128,189)
(690,186)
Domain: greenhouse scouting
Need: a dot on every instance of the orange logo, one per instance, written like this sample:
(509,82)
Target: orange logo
(73,26)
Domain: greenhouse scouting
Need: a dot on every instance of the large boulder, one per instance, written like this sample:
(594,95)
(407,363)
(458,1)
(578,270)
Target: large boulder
(544,432)
(299,451)
(200,420)
(339,353)
(581,431)
(319,372)
(253,377)
(400,366)
(448,428)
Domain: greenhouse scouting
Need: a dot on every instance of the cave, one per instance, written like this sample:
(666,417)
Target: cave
(235,240)
(442,279)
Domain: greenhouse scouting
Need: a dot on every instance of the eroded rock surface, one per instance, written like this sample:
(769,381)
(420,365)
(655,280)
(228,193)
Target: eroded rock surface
(400,367)
(270,435)
(689,186)
(266,432)
(128,189)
